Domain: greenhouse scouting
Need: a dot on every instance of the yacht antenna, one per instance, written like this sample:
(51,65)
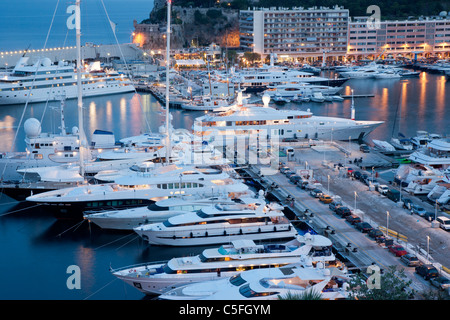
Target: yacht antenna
(63,124)
(169,2)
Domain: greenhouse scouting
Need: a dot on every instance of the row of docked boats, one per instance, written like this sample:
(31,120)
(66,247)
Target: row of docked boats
(239,262)
(374,70)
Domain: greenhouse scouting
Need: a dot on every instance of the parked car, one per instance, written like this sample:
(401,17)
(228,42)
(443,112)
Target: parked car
(429,216)
(415,208)
(316,193)
(326,198)
(357,174)
(302,183)
(382,188)
(364,148)
(364,177)
(407,203)
(410,260)
(377,235)
(295,178)
(334,205)
(442,283)
(283,169)
(371,180)
(444,222)
(393,194)
(289,174)
(363,227)
(398,250)
(353,219)
(427,271)
(343,212)
(290,140)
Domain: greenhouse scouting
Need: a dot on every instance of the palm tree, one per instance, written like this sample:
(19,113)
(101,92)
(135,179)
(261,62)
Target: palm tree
(307,295)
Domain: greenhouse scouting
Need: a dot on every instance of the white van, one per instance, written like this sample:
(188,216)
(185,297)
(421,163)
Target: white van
(289,150)
(444,222)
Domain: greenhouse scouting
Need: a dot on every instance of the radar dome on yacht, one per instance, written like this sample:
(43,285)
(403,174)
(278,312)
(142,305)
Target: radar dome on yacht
(266,99)
(32,127)
(74,130)
(45,62)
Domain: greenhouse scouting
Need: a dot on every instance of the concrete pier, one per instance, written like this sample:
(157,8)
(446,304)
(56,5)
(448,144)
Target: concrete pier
(130,51)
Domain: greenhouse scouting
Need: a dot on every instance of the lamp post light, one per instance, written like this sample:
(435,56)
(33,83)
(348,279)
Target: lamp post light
(428,247)
(355,201)
(387,224)
(328,184)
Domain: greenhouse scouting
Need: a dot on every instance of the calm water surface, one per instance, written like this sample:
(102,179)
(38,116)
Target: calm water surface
(37,249)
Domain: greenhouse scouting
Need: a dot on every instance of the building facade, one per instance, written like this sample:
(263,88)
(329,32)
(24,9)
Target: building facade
(406,38)
(295,32)
(314,32)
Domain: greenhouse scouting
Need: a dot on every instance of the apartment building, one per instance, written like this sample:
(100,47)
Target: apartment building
(406,38)
(295,32)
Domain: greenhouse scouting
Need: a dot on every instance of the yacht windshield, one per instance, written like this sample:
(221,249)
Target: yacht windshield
(237,280)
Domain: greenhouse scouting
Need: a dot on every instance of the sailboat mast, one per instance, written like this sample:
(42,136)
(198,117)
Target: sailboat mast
(81,135)
(168,147)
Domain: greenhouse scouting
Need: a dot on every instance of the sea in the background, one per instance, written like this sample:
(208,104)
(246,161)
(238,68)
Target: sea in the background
(27,23)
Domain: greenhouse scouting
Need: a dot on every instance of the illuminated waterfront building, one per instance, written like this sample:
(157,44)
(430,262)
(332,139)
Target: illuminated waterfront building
(401,38)
(296,32)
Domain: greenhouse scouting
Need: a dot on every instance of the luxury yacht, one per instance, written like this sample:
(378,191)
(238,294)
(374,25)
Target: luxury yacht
(225,261)
(221,224)
(264,122)
(205,103)
(419,178)
(269,284)
(46,149)
(259,79)
(40,81)
(292,89)
(436,154)
(128,219)
(137,189)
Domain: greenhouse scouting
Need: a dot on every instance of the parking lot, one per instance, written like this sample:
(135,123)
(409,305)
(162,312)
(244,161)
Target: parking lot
(414,232)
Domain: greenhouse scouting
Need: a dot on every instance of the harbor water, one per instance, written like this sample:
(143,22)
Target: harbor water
(37,249)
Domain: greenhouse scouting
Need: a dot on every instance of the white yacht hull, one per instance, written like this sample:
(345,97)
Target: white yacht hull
(217,235)
(157,286)
(69,92)
(135,217)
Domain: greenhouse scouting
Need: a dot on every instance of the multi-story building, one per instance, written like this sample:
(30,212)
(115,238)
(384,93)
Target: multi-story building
(295,32)
(406,38)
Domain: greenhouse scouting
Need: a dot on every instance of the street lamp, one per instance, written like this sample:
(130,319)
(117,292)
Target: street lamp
(387,223)
(328,184)
(428,247)
(355,201)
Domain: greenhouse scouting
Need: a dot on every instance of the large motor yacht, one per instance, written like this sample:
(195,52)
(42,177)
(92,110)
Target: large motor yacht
(225,261)
(269,284)
(264,122)
(138,189)
(38,81)
(259,79)
(128,219)
(221,224)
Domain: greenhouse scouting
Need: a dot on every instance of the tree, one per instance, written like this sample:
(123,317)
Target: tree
(393,286)
(308,295)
